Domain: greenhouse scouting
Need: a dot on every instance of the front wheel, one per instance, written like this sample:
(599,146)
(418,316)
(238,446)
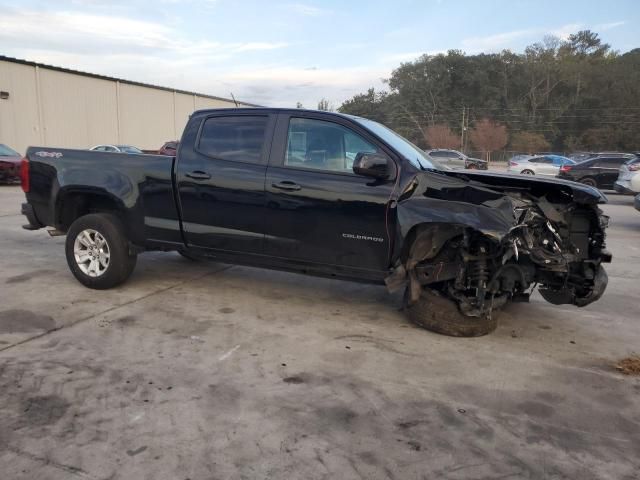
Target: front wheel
(439,314)
(98,252)
(528,172)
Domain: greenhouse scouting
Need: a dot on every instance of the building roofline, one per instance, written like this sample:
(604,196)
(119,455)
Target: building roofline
(120,80)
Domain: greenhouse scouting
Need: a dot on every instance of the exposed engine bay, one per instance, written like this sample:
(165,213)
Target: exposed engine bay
(553,243)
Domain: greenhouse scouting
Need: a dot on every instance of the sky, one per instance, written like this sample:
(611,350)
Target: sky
(278,53)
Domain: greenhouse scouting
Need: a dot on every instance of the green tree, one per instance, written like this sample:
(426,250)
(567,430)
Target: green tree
(570,93)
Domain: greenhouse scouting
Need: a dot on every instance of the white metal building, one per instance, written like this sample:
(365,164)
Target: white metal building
(51,106)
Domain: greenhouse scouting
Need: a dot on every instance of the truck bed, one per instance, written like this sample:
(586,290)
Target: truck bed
(140,185)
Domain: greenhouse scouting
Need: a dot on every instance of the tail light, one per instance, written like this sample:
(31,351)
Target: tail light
(513,164)
(634,167)
(24,175)
(565,168)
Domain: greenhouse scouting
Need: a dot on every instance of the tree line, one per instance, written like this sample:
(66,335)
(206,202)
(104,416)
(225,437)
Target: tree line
(558,95)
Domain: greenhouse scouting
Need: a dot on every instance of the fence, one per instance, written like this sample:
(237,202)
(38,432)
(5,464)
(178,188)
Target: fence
(503,156)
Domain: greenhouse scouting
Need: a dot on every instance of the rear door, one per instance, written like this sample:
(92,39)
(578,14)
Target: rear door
(221,180)
(319,210)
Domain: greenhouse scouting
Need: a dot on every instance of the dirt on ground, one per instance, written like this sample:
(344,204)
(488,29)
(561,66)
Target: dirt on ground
(629,365)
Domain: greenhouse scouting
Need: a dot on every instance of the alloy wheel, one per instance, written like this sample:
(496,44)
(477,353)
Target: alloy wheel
(91,252)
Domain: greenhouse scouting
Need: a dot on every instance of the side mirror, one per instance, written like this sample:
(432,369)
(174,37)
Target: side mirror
(374,165)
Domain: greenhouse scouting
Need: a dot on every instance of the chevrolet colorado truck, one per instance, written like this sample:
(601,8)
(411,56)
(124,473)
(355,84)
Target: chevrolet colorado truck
(325,194)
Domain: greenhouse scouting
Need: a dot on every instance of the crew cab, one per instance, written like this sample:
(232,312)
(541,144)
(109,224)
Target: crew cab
(325,194)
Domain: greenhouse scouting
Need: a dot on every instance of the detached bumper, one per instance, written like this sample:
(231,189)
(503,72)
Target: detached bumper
(27,211)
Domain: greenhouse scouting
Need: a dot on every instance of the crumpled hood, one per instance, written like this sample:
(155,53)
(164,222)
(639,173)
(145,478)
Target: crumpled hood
(478,200)
(504,181)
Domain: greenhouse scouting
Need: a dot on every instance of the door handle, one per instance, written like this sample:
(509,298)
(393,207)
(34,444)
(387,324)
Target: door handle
(198,175)
(287,185)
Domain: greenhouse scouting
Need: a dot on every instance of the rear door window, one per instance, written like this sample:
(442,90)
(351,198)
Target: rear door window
(610,162)
(237,138)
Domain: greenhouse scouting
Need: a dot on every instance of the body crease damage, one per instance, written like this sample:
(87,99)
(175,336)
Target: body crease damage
(482,240)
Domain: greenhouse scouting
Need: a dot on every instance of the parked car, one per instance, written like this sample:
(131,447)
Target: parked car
(455,159)
(600,171)
(169,148)
(9,164)
(275,188)
(117,149)
(628,177)
(548,165)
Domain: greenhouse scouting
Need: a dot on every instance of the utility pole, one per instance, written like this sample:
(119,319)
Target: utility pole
(466,129)
(462,132)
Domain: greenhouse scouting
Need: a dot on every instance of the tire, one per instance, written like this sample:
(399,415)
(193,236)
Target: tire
(441,315)
(528,172)
(590,181)
(472,166)
(102,240)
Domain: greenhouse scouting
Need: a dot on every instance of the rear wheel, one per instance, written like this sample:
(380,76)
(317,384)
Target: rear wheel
(97,251)
(441,315)
(528,172)
(589,181)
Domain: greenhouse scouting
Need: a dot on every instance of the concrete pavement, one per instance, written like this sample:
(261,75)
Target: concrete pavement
(205,371)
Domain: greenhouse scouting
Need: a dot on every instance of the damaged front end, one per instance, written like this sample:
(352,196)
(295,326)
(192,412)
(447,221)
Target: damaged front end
(481,244)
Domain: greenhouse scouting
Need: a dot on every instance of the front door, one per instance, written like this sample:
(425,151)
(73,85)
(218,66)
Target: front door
(221,181)
(319,210)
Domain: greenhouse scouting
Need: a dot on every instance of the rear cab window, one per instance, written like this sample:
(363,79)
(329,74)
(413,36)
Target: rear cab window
(235,138)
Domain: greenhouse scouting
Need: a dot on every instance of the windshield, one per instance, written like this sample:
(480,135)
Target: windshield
(7,152)
(129,149)
(417,157)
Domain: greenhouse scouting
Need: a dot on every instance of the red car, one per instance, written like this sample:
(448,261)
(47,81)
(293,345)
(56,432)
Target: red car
(9,164)
(169,148)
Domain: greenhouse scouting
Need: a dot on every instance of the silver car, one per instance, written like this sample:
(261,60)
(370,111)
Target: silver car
(116,149)
(455,159)
(629,177)
(547,165)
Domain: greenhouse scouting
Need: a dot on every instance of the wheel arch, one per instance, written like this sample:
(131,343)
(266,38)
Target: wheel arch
(433,235)
(72,203)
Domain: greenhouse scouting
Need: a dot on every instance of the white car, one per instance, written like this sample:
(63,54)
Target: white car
(116,149)
(548,165)
(629,177)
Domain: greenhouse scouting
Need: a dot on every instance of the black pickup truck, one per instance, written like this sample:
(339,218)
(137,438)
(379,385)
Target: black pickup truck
(326,194)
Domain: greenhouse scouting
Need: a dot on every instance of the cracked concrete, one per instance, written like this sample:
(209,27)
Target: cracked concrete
(206,371)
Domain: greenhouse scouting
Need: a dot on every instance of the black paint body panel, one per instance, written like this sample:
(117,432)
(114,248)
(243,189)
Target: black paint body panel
(335,224)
